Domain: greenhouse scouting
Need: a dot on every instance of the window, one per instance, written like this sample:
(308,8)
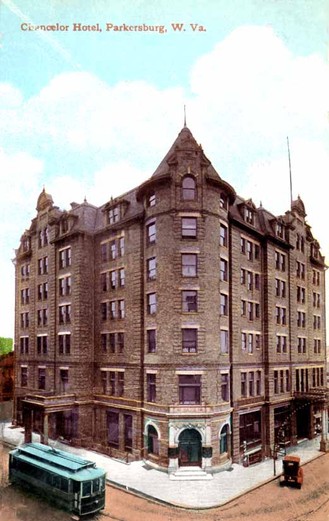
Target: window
(151,199)
(121,277)
(151,387)
(113,250)
(42,344)
(43,238)
(243,385)
(151,303)
(25,271)
(243,341)
(23,376)
(224,341)
(189,264)
(317,346)
(104,342)
(114,215)
(281,344)
(250,343)
(316,277)
(248,215)
(64,380)
(151,233)
(189,389)
(223,439)
(121,341)
(243,245)
(188,188)
(223,201)
(42,317)
(280,230)
(25,296)
(250,431)
(65,314)
(121,383)
(113,309)
(249,280)
(189,340)
(152,440)
(65,286)
(65,258)
(250,248)
(105,281)
(316,322)
(121,304)
(300,270)
(280,261)
(111,338)
(258,383)
(251,384)
(113,428)
(223,269)
(189,227)
(301,344)
(301,294)
(224,386)
(128,431)
(24,345)
(151,268)
(25,320)
(243,276)
(276,382)
(41,378)
(112,383)
(43,266)
(151,340)
(189,301)
(223,236)
(316,300)
(301,319)
(281,315)
(223,304)
(64,344)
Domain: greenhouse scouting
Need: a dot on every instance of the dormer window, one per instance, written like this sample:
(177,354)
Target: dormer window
(188,188)
(151,199)
(223,201)
(26,243)
(248,215)
(114,215)
(280,230)
(315,251)
(64,226)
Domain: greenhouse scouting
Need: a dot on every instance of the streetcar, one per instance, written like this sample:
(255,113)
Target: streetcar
(68,481)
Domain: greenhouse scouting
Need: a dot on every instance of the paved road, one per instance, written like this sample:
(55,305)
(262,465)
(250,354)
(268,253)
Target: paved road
(267,503)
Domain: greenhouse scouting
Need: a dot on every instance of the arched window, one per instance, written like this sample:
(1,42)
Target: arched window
(152,440)
(223,439)
(188,188)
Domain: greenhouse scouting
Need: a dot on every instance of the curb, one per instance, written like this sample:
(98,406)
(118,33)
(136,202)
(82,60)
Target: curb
(154,499)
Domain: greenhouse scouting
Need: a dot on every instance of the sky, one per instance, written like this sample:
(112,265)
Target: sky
(92,113)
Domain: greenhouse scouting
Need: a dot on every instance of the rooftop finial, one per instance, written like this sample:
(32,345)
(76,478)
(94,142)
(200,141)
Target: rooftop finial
(184,116)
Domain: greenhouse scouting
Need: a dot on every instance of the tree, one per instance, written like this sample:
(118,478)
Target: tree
(6,345)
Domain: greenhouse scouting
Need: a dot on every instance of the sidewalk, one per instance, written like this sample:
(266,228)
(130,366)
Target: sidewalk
(137,477)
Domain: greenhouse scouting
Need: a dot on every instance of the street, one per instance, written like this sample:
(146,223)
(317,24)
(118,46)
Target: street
(269,502)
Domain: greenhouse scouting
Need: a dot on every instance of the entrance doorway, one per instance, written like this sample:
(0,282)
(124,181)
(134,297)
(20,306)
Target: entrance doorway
(303,421)
(189,448)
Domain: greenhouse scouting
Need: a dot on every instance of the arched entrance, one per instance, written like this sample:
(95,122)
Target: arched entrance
(189,448)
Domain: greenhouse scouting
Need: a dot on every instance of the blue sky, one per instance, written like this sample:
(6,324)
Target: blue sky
(93,113)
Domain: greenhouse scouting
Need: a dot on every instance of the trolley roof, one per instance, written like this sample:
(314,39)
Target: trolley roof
(59,461)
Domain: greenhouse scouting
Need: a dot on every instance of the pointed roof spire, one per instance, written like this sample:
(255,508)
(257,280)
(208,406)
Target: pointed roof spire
(184,116)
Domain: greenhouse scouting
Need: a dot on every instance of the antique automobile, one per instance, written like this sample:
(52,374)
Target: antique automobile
(292,472)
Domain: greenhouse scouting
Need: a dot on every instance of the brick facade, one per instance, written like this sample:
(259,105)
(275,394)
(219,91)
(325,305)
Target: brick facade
(168,323)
